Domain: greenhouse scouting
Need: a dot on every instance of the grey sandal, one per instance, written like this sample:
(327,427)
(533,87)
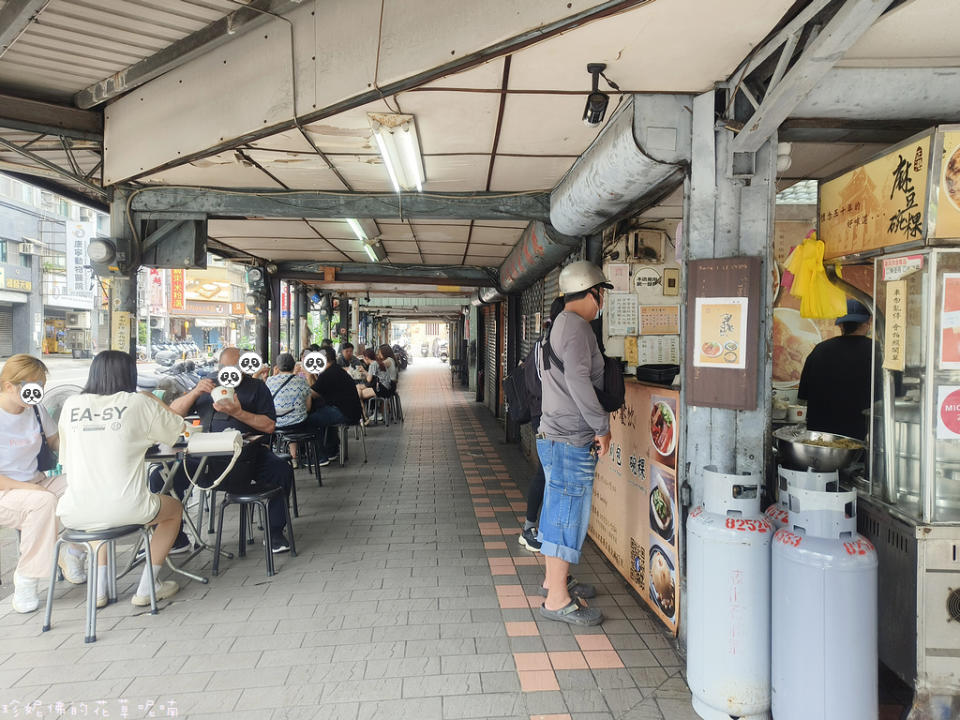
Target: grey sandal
(578,589)
(574,614)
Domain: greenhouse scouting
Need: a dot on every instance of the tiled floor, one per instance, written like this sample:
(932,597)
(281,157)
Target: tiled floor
(410,598)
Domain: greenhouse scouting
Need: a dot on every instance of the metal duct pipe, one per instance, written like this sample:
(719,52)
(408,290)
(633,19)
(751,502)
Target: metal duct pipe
(486,296)
(539,250)
(640,155)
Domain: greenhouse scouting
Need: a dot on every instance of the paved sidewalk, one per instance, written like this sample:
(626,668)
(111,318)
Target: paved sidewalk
(410,598)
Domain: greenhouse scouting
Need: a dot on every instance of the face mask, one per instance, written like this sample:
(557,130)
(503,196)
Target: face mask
(596,299)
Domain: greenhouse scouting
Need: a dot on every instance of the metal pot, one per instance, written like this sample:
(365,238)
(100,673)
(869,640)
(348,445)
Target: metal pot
(796,453)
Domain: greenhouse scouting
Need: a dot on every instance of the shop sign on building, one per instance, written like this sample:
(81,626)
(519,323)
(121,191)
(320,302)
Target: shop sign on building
(877,205)
(79,282)
(14,277)
(634,516)
(176,289)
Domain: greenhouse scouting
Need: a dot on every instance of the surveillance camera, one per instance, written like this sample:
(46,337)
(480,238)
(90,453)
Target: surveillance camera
(595,109)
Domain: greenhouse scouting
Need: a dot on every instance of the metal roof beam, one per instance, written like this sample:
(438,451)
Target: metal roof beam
(456,275)
(54,168)
(19,113)
(850,22)
(330,205)
(202,41)
(15,17)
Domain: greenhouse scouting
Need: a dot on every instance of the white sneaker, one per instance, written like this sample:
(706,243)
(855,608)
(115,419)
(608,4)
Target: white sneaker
(25,597)
(164,589)
(73,567)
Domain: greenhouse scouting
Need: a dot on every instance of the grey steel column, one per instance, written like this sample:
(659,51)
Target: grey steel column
(123,288)
(274,318)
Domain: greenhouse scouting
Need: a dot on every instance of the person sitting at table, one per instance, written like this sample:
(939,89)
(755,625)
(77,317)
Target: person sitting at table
(291,400)
(347,359)
(337,401)
(28,498)
(252,412)
(382,374)
(105,433)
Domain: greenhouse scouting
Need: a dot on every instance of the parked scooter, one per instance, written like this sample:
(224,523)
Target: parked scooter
(401,357)
(173,382)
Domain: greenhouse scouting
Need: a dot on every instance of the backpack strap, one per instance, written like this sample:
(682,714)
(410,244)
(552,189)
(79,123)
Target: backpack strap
(550,354)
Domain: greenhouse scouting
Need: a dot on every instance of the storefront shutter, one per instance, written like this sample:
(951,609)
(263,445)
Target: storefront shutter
(491,391)
(6,332)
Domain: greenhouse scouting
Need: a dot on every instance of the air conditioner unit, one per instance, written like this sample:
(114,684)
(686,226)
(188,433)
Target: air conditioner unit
(79,320)
(156,323)
(86,213)
(29,248)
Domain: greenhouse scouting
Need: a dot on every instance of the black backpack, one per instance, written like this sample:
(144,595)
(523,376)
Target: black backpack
(614,393)
(523,392)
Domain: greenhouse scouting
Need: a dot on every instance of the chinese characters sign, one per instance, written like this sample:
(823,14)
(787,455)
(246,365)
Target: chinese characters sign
(720,333)
(79,281)
(895,339)
(634,516)
(621,310)
(660,320)
(176,289)
(880,204)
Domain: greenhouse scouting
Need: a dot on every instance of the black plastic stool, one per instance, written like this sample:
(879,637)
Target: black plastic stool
(88,538)
(262,500)
(308,448)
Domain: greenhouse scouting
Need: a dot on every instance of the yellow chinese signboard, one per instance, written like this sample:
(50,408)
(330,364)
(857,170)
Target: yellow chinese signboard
(877,205)
(895,338)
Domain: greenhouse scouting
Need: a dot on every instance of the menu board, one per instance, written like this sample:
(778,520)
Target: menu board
(877,205)
(659,319)
(948,194)
(634,518)
(621,311)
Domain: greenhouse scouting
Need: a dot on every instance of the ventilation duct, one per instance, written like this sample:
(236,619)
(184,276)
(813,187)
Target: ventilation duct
(640,156)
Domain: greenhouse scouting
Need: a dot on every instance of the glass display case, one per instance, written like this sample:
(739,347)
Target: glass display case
(914,464)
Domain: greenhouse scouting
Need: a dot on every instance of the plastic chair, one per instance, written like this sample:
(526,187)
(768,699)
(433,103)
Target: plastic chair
(308,449)
(88,538)
(262,500)
(342,433)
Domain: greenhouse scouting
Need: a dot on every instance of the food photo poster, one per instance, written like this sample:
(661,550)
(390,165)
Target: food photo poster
(634,513)
(720,333)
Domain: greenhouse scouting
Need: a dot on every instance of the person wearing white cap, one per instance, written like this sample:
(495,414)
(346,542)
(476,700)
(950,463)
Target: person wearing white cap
(835,380)
(574,432)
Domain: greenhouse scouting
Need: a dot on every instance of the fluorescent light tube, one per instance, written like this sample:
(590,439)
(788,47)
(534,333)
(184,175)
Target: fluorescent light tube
(410,155)
(385,153)
(357,230)
(371,253)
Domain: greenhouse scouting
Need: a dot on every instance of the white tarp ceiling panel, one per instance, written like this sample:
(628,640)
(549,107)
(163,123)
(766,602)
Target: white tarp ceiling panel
(513,174)
(920,33)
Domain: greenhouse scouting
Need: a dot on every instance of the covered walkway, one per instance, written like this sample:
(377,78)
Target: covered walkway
(410,598)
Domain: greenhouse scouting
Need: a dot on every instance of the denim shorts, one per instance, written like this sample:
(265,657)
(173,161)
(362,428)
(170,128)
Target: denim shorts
(566,499)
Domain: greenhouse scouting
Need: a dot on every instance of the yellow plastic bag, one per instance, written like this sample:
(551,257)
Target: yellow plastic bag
(819,298)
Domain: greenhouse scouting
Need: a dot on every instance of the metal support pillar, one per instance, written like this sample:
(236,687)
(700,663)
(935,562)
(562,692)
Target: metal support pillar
(727,216)
(297,342)
(123,288)
(355,320)
(274,318)
(262,338)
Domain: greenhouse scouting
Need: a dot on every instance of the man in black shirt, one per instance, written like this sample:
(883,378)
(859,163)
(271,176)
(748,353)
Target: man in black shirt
(339,402)
(836,377)
(251,412)
(346,358)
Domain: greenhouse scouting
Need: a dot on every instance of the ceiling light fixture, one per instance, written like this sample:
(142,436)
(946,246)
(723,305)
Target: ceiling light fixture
(597,101)
(357,229)
(396,138)
(374,250)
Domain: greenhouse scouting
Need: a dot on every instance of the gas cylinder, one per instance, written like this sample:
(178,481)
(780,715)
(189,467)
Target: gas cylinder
(778,513)
(824,596)
(728,600)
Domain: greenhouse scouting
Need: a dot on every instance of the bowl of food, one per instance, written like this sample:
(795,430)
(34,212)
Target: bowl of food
(711,349)
(663,428)
(662,583)
(800,449)
(661,509)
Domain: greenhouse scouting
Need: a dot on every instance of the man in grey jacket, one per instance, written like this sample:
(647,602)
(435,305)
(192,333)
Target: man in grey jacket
(574,432)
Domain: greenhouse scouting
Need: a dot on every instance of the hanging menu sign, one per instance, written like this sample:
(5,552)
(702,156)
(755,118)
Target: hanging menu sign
(723,332)
(634,518)
(895,338)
